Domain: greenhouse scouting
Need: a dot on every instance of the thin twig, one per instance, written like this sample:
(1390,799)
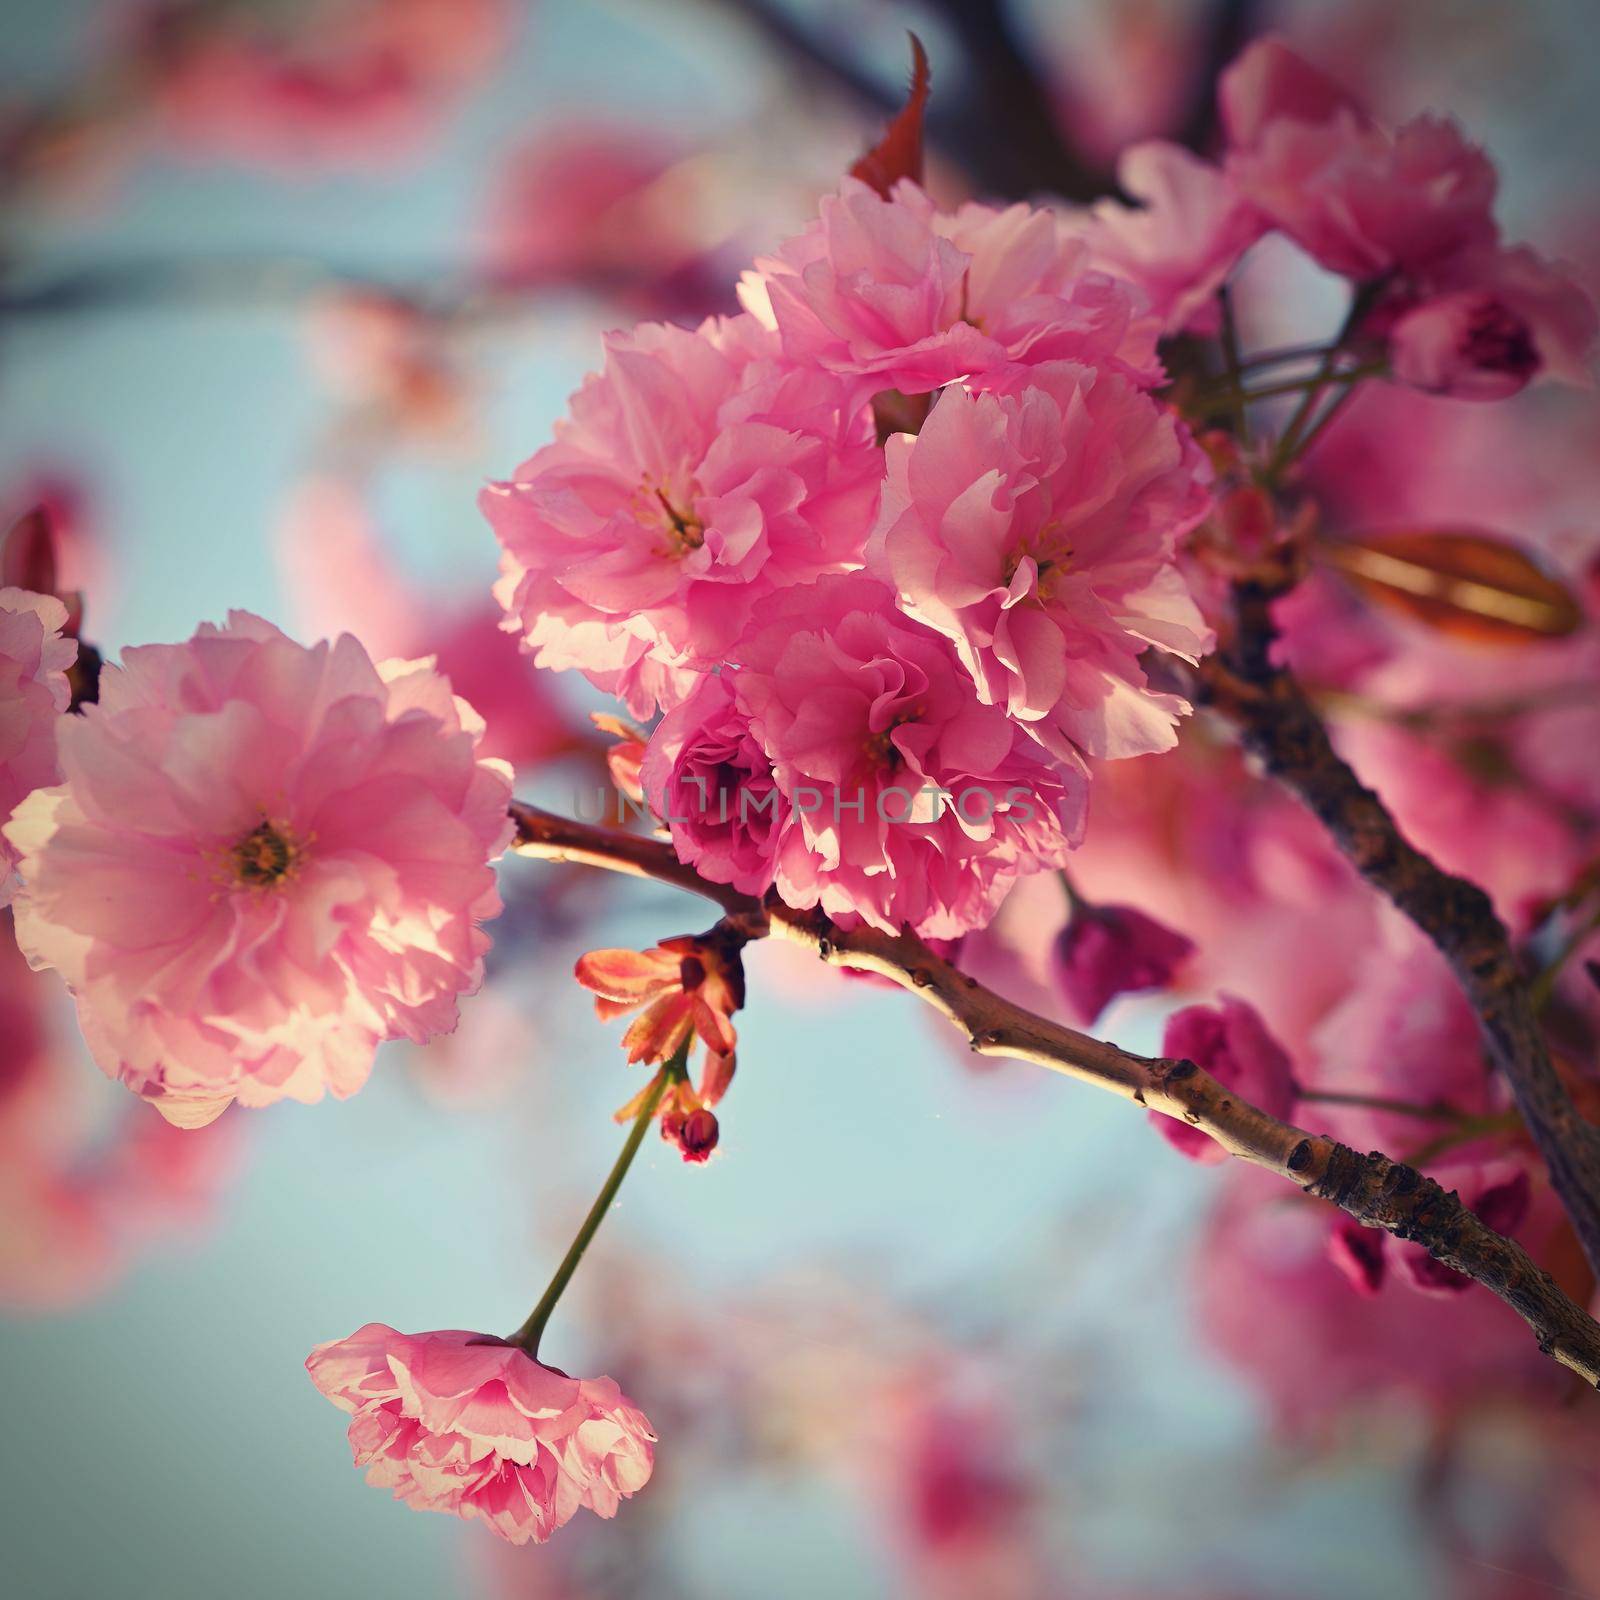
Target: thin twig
(1378,1192)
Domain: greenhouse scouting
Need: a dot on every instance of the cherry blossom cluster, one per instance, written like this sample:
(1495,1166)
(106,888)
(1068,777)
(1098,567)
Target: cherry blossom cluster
(892,569)
(887,548)
(1406,215)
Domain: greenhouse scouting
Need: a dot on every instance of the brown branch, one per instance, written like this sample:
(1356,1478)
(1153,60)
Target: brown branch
(1281,727)
(1376,1191)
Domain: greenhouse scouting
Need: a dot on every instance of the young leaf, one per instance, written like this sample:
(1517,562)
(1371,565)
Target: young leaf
(1478,587)
(898,154)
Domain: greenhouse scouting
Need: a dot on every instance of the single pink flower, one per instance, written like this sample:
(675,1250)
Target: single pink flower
(695,474)
(262,860)
(1037,530)
(905,800)
(1489,323)
(709,779)
(1109,950)
(1183,239)
(470,1425)
(34,658)
(1361,201)
(1231,1042)
(895,294)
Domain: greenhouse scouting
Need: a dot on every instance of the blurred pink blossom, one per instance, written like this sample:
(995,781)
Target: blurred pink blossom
(1109,950)
(1231,1042)
(358,82)
(34,658)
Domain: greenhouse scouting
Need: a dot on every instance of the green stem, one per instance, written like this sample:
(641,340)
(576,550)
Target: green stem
(1438,1112)
(1290,443)
(1470,1129)
(1230,357)
(531,1331)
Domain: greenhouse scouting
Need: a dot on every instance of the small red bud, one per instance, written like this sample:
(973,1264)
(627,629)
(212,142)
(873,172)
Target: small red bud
(697,1134)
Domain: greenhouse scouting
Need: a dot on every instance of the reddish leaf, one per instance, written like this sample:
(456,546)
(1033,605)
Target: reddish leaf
(1473,586)
(898,154)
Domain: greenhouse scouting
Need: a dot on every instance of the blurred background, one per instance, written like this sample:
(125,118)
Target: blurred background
(281,284)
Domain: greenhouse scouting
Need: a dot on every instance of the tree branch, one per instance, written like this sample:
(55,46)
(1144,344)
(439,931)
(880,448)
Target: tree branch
(1376,1191)
(1281,727)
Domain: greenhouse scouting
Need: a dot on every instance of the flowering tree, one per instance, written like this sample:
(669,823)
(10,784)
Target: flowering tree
(911,577)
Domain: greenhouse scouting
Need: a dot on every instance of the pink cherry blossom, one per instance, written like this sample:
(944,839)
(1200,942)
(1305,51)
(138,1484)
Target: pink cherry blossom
(1183,239)
(709,779)
(1109,950)
(905,800)
(473,1426)
(33,693)
(895,294)
(1037,531)
(1231,1042)
(1491,321)
(1361,201)
(263,860)
(695,474)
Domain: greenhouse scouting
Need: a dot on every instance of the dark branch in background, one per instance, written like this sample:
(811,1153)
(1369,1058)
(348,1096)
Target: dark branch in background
(1376,1191)
(1229,27)
(1282,729)
(992,116)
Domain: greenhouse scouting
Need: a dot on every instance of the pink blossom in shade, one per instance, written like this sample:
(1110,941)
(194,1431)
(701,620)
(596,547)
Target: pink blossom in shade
(1231,1042)
(361,83)
(1105,951)
(866,716)
(1182,240)
(262,860)
(1361,1254)
(1500,1203)
(1037,531)
(1268,83)
(473,1426)
(1489,323)
(34,692)
(708,778)
(895,294)
(1405,1032)
(1270,1302)
(1361,201)
(612,207)
(694,475)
